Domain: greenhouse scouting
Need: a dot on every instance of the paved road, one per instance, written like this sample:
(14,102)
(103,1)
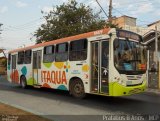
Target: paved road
(53,103)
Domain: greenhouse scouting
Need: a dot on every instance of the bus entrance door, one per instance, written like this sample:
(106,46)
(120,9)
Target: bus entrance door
(99,65)
(14,76)
(37,55)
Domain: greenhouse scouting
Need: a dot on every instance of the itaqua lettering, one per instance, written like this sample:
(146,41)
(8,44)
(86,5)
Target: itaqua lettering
(55,77)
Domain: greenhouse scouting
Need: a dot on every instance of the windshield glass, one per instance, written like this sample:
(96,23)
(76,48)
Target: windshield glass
(129,57)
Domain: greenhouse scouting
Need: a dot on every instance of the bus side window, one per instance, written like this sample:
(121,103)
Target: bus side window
(48,54)
(27,56)
(61,52)
(105,54)
(78,50)
(20,57)
(14,61)
(9,59)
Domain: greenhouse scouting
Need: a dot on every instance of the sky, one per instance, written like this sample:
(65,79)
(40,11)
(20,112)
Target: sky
(21,18)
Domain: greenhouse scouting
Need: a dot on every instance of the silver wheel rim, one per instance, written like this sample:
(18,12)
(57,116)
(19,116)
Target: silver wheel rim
(78,88)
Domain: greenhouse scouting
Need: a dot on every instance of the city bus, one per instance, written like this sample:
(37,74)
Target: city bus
(108,62)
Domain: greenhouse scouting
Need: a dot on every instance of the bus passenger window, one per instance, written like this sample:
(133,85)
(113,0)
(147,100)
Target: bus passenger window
(105,54)
(78,50)
(9,59)
(20,57)
(61,52)
(14,61)
(27,56)
(48,54)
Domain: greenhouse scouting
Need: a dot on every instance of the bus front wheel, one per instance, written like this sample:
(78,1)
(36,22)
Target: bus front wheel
(23,82)
(77,88)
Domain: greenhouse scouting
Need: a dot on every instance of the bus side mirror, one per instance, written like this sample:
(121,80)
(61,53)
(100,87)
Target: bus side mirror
(110,35)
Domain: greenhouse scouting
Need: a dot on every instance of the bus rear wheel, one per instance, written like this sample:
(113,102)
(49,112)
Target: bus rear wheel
(23,82)
(77,89)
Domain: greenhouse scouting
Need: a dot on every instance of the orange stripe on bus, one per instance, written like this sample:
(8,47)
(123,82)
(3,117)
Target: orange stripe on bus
(71,38)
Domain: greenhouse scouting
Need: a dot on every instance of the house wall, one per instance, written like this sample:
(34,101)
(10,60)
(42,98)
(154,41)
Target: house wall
(124,20)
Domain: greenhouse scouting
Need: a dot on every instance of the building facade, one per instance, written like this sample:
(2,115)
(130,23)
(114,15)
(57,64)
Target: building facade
(129,23)
(153,70)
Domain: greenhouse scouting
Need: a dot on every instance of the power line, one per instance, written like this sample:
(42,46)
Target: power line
(28,23)
(11,28)
(137,2)
(118,11)
(24,26)
(102,8)
(84,1)
(137,19)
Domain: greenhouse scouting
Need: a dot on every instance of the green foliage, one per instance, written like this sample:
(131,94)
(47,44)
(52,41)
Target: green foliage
(69,19)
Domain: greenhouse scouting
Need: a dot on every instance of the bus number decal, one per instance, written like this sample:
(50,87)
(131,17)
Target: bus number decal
(98,32)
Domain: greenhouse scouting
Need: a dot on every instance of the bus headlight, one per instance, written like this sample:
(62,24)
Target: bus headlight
(119,80)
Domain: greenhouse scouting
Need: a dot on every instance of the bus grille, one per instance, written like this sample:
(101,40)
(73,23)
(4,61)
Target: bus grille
(134,77)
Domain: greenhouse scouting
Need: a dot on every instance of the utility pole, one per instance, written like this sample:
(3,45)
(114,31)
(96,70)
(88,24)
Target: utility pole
(110,11)
(156,44)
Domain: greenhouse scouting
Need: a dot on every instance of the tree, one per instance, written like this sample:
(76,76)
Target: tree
(69,19)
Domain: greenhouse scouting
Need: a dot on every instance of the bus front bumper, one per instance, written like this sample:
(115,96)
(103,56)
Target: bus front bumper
(119,90)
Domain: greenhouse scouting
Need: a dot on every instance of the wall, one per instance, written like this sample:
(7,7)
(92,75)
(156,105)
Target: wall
(124,20)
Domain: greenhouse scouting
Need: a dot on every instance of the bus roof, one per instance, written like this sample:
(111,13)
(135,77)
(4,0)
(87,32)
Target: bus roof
(66,39)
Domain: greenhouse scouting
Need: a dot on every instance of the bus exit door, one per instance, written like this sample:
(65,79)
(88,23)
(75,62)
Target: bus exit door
(99,65)
(14,75)
(37,55)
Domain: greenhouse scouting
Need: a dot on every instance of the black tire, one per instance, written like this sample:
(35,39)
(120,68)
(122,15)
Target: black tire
(23,82)
(77,89)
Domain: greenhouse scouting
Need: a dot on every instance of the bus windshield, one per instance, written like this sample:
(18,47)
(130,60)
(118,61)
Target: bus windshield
(129,57)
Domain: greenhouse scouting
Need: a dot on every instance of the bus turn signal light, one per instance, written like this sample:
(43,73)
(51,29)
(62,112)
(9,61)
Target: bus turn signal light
(142,66)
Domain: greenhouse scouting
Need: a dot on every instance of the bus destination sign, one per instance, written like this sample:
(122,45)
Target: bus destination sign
(129,35)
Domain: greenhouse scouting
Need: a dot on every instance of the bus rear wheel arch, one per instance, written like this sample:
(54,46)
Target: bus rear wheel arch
(23,82)
(76,88)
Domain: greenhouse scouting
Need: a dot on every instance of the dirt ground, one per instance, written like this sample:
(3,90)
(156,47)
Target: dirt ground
(9,113)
